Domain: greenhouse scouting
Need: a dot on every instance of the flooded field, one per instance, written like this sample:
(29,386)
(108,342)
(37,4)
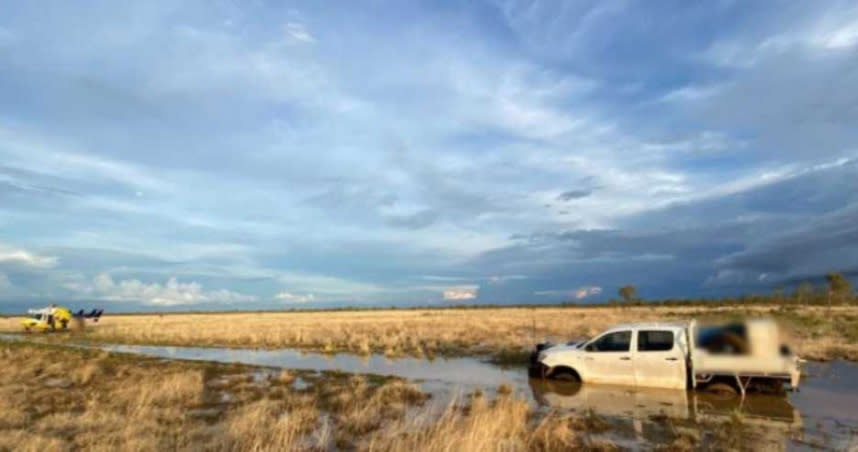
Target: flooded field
(823,414)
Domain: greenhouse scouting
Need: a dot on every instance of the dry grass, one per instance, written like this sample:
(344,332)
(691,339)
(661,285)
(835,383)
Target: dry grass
(68,399)
(505,333)
(56,399)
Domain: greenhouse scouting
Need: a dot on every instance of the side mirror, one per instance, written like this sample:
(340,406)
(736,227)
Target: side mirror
(589,348)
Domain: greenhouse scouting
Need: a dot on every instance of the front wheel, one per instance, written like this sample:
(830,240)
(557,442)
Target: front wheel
(566,375)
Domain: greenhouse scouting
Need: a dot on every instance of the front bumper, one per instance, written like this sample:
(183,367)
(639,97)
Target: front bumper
(536,369)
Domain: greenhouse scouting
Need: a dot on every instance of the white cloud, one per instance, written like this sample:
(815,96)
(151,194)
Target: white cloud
(299,32)
(841,38)
(289,297)
(584,292)
(172,293)
(691,93)
(578,294)
(500,279)
(833,33)
(443,278)
(25,151)
(26,258)
(461,293)
(328,286)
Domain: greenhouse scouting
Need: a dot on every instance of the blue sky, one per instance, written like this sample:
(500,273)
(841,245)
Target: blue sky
(252,154)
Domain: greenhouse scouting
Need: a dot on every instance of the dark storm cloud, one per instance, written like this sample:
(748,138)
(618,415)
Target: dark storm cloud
(820,245)
(574,194)
(417,220)
(797,228)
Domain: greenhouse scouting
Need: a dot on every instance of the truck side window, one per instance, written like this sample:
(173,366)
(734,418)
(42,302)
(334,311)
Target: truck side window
(655,341)
(614,342)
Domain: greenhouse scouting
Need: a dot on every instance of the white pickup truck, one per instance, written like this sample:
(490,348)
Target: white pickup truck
(724,358)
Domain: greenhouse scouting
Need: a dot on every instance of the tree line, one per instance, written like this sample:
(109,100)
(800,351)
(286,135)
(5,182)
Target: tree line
(837,290)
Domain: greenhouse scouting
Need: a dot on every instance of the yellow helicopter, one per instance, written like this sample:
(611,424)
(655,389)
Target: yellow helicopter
(57,318)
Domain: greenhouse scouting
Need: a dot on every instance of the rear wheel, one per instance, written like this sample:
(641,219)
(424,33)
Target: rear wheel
(721,390)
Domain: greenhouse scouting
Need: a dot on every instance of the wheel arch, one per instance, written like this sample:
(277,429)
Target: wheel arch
(556,371)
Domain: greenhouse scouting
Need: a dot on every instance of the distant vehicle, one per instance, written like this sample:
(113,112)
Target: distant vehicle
(721,359)
(57,318)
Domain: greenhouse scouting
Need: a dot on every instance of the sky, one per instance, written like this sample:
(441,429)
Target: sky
(166,155)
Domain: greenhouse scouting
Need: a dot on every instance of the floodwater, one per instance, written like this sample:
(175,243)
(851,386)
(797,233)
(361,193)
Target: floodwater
(822,414)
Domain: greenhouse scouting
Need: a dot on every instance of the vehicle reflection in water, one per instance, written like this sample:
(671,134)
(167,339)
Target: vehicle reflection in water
(641,412)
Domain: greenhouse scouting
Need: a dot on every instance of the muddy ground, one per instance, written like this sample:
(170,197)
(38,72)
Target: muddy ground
(110,396)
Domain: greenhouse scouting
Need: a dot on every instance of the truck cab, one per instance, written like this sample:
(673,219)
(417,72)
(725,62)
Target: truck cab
(669,355)
(646,354)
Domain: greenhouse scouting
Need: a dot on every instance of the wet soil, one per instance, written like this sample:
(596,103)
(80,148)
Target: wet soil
(822,414)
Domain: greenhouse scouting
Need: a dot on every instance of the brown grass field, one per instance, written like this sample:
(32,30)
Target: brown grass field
(816,333)
(54,398)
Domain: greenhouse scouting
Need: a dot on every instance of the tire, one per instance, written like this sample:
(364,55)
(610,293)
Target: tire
(567,375)
(721,390)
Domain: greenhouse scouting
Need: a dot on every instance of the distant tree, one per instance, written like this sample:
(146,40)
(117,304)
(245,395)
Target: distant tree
(838,286)
(629,293)
(804,292)
(778,295)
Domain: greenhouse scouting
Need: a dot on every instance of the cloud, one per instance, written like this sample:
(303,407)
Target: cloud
(574,194)
(579,293)
(461,293)
(417,220)
(13,186)
(293,298)
(792,253)
(172,293)
(500,279)
(843,38)
(584,292)
(4,282)
(299,32)
(703,140)
(26,258)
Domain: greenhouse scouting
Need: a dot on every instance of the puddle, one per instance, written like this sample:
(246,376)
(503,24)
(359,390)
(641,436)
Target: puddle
(300,384)
(453,370)
(824,413)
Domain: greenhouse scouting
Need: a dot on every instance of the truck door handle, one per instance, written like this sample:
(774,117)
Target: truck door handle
(671,359)
(625,358)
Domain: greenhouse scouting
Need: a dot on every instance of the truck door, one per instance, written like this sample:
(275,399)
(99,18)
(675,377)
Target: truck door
(609,359)
(658,360)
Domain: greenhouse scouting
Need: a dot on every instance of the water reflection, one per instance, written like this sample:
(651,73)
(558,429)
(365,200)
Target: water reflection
(646,403)
(652,416)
